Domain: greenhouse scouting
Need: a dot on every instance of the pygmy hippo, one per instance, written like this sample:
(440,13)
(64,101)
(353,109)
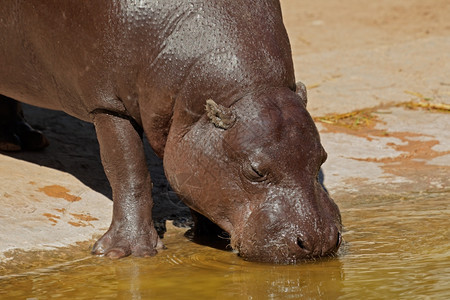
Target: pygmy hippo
(210,83)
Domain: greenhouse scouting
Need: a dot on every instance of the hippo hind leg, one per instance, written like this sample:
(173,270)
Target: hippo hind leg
(15,133)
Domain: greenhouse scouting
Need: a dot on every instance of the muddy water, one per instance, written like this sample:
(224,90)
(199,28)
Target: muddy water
(395,247)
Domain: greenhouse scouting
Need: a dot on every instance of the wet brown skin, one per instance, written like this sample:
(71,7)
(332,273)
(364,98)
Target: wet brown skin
(248,160)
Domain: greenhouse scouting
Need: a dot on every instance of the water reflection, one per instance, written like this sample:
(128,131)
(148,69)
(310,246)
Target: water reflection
(396,247)
(193,271)
(141,281)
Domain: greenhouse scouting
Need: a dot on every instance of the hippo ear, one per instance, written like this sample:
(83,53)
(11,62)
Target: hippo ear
(300,89)
(221,116)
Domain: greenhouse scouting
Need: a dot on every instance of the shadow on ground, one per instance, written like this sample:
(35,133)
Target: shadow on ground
(74,149)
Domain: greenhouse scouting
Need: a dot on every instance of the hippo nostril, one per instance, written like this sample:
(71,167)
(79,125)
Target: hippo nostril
(304,245)
(301,244)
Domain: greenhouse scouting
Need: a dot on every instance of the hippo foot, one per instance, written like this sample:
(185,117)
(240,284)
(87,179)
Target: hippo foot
(19,135)
(118,243)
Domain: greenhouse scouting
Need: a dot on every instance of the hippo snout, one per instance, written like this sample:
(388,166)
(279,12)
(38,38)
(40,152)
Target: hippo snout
(283,234)
(328,246)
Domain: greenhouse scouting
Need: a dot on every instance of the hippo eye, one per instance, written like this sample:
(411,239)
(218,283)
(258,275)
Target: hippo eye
(254,174)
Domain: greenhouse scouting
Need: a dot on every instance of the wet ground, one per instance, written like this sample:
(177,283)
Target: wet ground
(377,78)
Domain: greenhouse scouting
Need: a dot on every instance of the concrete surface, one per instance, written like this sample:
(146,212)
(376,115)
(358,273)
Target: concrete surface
(42,208)
(389,74)
(349,58)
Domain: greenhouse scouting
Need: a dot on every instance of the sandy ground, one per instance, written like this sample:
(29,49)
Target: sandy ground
(352,54)
(355,54)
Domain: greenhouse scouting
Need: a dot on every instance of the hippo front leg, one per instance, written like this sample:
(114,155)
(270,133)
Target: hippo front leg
(132,231)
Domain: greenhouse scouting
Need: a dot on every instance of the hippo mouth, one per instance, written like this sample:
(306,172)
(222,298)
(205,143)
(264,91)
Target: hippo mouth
(282,250)
(281,242)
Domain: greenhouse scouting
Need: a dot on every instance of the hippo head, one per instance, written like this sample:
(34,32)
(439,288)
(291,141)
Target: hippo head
(252,169)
